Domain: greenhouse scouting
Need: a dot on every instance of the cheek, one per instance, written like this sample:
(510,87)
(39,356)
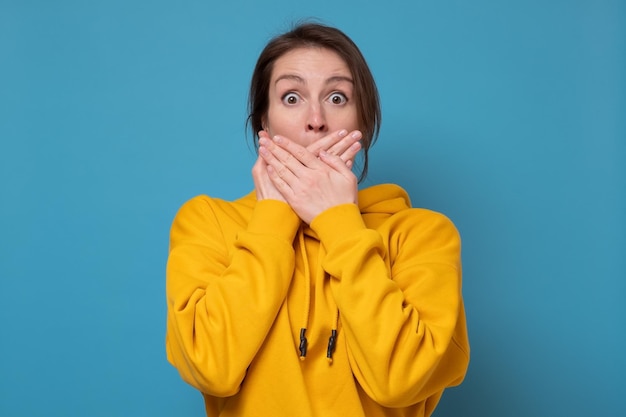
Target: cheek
(345,120)
(279,123)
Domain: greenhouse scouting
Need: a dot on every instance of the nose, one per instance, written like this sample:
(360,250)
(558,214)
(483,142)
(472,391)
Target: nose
(316,121)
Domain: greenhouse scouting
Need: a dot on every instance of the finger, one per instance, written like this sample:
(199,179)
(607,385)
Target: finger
(336,163)
(271,152)
(262,182)
(263,133)
(283,187)
(289,161)
(345,145)
(275,163)
(327,141)
(350,153)
(293,155)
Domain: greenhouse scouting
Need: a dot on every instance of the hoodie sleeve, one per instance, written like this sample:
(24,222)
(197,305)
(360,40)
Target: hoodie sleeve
(398,289)
(223,297)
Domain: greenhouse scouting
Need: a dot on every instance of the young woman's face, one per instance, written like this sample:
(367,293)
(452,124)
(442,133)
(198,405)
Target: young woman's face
(311,94)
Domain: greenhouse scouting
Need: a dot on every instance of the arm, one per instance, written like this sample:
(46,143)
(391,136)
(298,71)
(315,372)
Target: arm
(401,310)
(222,300)
(401,306)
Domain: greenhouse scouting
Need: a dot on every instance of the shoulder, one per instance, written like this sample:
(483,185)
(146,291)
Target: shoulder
(206,205)
(210,213)
(421,227)
(389,206)
(197,206)
(420,236)
(423,219)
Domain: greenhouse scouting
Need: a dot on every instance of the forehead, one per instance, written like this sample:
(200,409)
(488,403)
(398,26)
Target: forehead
(312,61)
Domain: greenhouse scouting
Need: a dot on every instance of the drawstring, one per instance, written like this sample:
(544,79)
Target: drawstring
(307,296)
(303,343)
(332,340)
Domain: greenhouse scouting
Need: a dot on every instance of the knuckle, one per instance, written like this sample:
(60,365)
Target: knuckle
(280,171)
(300,153)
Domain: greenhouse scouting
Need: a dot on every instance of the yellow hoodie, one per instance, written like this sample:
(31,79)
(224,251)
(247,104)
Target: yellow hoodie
(246,279)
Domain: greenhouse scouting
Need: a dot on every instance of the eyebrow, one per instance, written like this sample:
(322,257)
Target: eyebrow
(300,80)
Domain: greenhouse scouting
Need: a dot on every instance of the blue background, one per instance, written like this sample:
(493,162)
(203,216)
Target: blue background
(507,116)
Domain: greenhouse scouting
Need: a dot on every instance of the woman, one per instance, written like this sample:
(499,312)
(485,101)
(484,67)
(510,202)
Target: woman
(308,297)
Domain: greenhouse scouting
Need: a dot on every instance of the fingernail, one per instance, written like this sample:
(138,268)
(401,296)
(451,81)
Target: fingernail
(342,133)
(356,135)
(262,141)
(277,139)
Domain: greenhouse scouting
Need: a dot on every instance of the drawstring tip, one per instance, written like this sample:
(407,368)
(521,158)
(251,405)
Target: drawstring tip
(303,344)
(332,341)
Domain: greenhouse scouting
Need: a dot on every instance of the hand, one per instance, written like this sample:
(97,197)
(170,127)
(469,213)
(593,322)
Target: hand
(264,187)
(339,143)
(309,184)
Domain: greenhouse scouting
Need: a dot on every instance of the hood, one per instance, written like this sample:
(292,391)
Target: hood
(375,203)
(383,199)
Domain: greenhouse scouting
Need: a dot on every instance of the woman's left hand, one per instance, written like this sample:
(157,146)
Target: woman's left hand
(309,184)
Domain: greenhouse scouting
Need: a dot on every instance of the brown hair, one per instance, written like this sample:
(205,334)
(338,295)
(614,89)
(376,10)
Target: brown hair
(318,35)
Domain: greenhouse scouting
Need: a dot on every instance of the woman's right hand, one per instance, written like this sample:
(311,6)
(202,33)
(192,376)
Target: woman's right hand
(264,187)
(341,143)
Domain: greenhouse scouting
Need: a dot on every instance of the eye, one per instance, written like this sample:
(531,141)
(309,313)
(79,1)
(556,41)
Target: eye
(291,98)
(338,98)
